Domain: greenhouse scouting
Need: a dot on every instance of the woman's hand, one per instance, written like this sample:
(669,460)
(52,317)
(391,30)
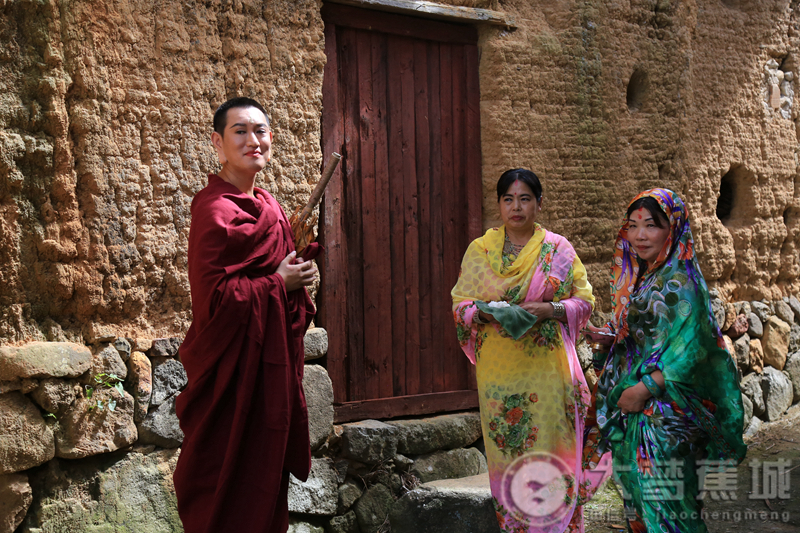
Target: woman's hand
(633,399)
(486,318)
(596,335)
(296,275)
(542,310)
(549,293)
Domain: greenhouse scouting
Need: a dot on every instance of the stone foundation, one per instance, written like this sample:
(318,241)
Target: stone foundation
(77,461)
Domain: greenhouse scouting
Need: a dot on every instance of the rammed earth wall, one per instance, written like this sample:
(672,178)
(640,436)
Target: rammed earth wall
(106,104)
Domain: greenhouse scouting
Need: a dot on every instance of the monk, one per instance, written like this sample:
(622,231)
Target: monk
(243,411)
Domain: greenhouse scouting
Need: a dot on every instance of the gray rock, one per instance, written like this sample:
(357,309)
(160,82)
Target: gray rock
(315,342)
(106,361)
(761,310)
(446,432)
(341,466)
(43,360)
(165,347)
(752,429)
(453,506)
(318,495)
(123,347)
(140,384)
(784,312)
(742,308)
(751,387)
(15,499)
(302,526)
(349,493)
(108,493)
(792,370)
(373,508)
(27,441)
(462,462)
(794,338)
(169,377)
(369,441)
(402,463)
(741,351)
(347,523)
(54,395)
(756,328)
(319,398)
(747,404)
(87,428)
(794,303)
(161,426)
(717,307)
(777,393)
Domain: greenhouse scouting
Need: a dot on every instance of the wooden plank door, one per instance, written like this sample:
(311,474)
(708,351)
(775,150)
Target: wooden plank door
(401,104)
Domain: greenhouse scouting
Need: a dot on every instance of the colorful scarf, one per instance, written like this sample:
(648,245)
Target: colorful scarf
(663,321)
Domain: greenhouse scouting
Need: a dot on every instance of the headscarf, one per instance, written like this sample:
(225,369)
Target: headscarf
(663,321)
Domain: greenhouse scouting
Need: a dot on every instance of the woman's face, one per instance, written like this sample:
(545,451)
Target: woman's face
(646,238)
(519,207)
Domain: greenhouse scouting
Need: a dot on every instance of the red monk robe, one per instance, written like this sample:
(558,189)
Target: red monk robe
(243,411)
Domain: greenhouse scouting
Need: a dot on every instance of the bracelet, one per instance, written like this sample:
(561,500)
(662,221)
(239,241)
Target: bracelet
(652,386)
(558,309)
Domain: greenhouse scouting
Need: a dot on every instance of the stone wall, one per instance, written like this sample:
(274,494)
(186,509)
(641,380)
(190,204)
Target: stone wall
(89,441)
(105,109)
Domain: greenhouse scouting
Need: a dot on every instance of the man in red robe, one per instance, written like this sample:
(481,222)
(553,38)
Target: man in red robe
(243,411)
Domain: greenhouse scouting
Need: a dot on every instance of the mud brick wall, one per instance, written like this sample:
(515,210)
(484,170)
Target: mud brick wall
(104,123)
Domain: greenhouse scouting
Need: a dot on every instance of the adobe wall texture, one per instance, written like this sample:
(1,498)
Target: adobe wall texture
(607,98)
(105,108)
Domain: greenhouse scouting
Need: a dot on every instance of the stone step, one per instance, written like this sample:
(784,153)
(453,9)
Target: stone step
(461,505)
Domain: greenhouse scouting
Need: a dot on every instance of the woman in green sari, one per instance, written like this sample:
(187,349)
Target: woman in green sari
(668,403)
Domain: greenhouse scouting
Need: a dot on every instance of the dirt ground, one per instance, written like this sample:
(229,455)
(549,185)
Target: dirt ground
(775,441)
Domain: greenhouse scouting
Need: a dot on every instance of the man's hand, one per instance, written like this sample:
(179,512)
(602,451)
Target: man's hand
(296,274)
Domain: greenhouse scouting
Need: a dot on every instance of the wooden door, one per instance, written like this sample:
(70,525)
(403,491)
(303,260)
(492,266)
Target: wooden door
(401,104)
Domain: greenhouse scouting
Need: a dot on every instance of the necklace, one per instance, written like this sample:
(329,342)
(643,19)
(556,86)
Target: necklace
(509,248)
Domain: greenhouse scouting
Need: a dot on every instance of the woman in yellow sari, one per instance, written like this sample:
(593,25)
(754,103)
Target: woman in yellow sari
(520,302)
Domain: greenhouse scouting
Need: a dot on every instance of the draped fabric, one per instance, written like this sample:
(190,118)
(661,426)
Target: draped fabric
(532,392)
(663,321)
(243,411)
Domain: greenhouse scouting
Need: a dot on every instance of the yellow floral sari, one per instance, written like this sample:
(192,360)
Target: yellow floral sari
(533,395)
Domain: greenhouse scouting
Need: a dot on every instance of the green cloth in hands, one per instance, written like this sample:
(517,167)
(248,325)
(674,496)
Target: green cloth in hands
(514,319)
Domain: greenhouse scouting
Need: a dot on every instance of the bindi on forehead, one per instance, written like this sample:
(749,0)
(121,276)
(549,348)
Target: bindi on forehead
(640,214)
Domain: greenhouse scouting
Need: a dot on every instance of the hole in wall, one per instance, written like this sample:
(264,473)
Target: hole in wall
(637,89)
(725,199)
(736,188)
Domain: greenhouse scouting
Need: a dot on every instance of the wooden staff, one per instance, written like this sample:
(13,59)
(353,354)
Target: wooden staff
(302,226)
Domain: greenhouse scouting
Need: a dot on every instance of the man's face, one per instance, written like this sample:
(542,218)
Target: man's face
(246,146)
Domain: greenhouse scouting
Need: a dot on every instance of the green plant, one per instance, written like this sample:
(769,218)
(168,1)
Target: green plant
(110,381)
